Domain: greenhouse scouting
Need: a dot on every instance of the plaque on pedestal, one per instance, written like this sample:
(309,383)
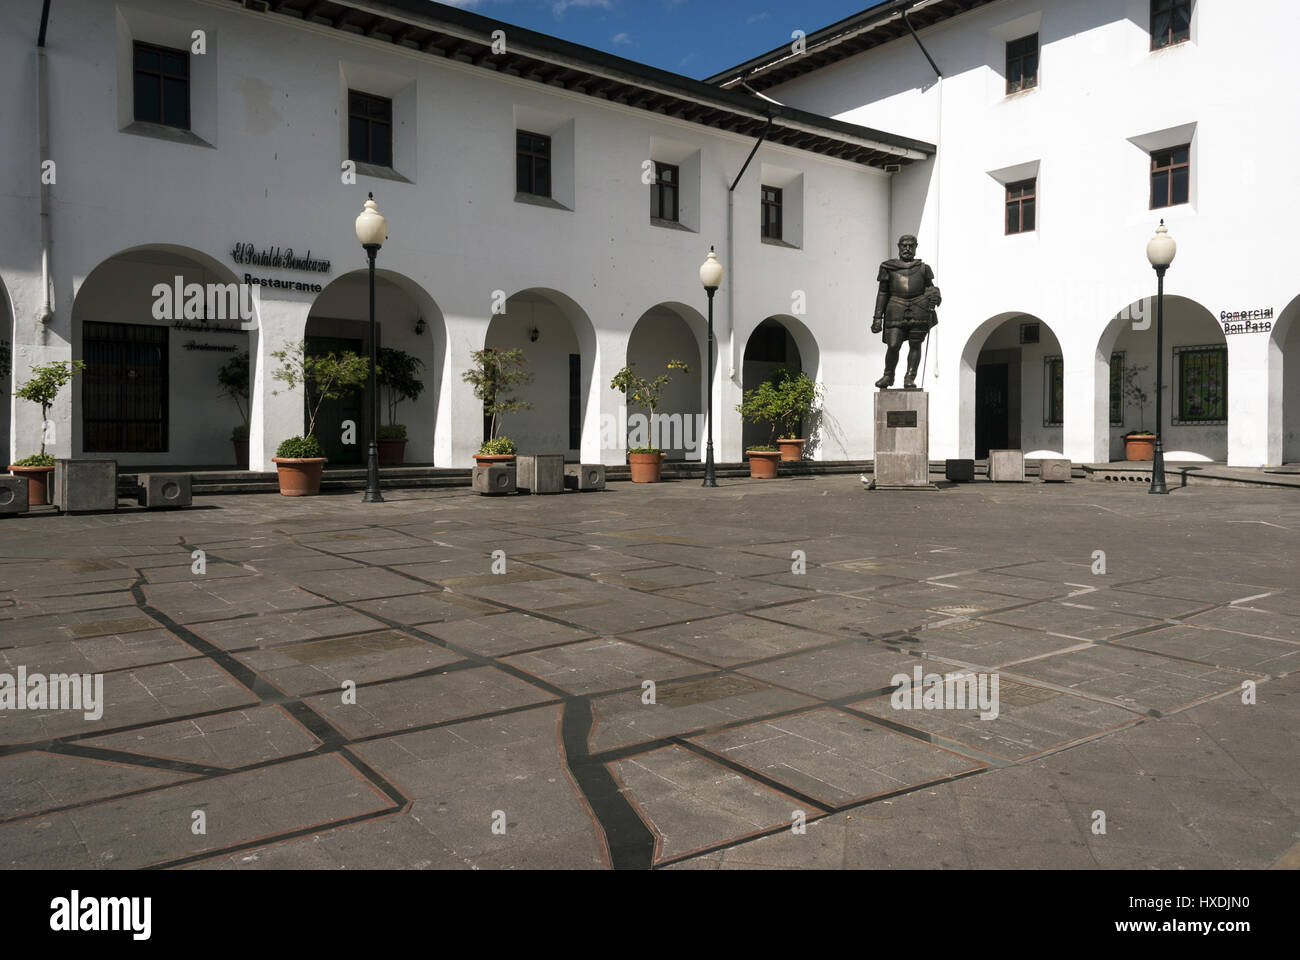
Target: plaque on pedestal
(902,459)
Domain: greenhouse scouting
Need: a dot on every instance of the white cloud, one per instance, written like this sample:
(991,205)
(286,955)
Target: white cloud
(620,38)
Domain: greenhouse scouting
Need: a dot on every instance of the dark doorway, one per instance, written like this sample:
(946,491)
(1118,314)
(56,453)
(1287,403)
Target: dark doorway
(329,422)
(124,388)
(992,408)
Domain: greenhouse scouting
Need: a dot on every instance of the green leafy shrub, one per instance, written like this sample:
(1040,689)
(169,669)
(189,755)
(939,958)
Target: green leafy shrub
(762,448)
(300,447)
(398,374)
(35,460)
(497,447)
(392,431)
(638,390)
(233,379)
(796,396)
(240,432)
(325,377)
(645,450)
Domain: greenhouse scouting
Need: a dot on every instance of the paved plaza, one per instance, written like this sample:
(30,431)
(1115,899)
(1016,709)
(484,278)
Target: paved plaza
(660,676)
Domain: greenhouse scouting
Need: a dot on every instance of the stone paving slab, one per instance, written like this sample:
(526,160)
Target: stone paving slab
(1160,693)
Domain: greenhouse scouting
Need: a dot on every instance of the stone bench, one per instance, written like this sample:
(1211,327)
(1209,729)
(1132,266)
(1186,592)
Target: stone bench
(85,486)
(13,495)
(540,473)
(1007,466)
(164,490)
(584,476)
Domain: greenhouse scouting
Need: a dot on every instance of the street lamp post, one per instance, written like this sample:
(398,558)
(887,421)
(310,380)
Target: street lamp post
(1160,251)
(372,231)
(711,277)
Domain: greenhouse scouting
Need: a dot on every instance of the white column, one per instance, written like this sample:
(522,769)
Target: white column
(276,411)
(1248,400)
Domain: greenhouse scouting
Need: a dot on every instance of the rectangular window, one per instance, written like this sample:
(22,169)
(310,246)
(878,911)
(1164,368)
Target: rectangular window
(370,129)
(1117,389)
(772,213)
(1022,64)
(575,401)
(1171,172)
(1021,206)
(664,192)
(1202,384)
(1171,22)
(124,388)
(162,85)
(532,164)
(1054,390)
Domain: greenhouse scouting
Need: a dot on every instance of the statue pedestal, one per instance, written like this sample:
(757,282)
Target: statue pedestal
(902,458)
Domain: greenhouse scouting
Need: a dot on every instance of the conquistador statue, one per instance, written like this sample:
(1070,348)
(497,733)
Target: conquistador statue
(904,310)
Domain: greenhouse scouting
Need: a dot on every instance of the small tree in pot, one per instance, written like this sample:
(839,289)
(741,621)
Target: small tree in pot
(398,375)
(494,376)
(1139,444)
(45,383)
(646,462)
(300,460)
(796,397)
(763,404)
(233,378)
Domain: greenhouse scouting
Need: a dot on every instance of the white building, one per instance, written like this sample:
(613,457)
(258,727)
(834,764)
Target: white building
(151,139)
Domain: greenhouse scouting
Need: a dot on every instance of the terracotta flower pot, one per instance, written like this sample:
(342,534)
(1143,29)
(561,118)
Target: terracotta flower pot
(646,467)
(299,476)
(38,483)
(494,458)
(1140,446)
(791,449)
(763,463)
(241,453)
(391,451)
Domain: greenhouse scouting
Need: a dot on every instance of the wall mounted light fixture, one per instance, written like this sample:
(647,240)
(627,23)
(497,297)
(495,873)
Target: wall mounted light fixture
(533,334)
(419,326)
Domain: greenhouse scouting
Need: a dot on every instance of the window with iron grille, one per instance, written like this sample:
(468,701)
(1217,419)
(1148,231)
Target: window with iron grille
(533,164)
(370,129)
(664,192)
(1022,64)
(1117,389)
(1054,391)
(1202,384)
(1171,172)
(162,85)
(124,388)
(1022,206)
(772,213)
(1171,22)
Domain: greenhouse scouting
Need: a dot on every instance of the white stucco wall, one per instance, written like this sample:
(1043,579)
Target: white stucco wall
(457,237)
(1104,100)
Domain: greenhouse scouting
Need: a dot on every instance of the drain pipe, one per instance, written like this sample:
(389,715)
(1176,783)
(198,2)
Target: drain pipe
(46,313)
(731,254)
(938,173)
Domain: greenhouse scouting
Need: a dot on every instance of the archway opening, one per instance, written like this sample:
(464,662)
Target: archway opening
(558,343)
(155,325)
(1195,375)
(406,321)
(670,332)
(778,344)
(1013,388)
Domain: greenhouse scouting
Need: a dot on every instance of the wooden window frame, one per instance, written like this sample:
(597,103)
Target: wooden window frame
(1018,54)
(530,157)
(777,203)
(1168,37)
(1029,192)
(660,188)
(145,334)
(371,123)
(163,76)
(1180,410)
(1169,169)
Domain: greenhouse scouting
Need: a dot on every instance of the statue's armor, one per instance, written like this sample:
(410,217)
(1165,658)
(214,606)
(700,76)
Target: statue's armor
(904,285)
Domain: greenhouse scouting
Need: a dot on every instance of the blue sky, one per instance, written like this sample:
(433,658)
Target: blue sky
(693,37)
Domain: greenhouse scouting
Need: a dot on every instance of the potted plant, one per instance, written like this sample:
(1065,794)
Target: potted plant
(763,404)
(1138,444)
(300,460)
(494,376)
(397,374)
(796,396)
(232,378)
(646,463)
(45,383)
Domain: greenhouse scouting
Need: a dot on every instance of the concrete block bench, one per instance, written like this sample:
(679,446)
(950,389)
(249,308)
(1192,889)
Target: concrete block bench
(85,486)
(584,476)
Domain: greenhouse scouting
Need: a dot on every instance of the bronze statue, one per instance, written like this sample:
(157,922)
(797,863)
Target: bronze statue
(905,310)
